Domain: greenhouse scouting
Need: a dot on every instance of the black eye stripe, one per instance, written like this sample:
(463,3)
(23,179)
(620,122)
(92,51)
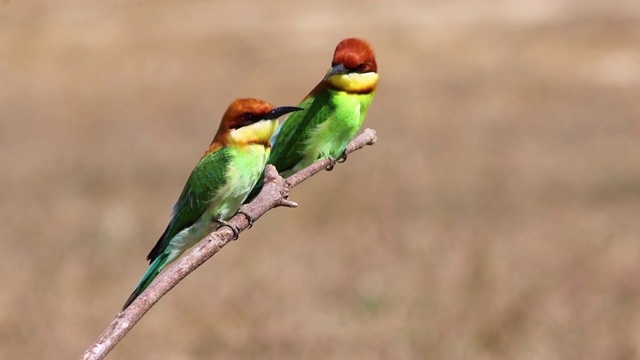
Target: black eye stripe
(244,120)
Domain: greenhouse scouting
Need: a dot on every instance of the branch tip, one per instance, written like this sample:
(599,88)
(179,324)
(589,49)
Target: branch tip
(288,203)
(371,134)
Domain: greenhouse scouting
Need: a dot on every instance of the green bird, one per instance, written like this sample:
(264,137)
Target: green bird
(219,183)
(333,112)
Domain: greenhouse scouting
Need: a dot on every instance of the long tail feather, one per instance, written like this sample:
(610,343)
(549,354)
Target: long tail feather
(154,269)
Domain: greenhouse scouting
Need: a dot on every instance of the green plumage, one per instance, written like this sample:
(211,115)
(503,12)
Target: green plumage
(330,120)
(203,183)
(216,188)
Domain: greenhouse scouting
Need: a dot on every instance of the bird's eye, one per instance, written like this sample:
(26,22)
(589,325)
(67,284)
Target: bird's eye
(362,67)
(248,117)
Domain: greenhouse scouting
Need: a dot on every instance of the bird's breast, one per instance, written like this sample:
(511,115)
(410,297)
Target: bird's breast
(242,174)
(249,162)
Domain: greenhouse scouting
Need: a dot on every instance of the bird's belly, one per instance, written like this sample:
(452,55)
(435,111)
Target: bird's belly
(332,136)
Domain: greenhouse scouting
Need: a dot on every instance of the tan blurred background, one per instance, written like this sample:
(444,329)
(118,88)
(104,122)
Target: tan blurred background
(498,217)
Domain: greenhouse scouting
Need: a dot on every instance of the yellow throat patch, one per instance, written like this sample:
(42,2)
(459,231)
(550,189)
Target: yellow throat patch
(355,82)
(258,133)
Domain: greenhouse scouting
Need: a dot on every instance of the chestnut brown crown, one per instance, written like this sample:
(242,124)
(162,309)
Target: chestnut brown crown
(244,112)
(356,55)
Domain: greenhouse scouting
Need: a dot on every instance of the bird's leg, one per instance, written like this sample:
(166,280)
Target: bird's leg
(236,231)
(342,157)
(332,163)
(248,217)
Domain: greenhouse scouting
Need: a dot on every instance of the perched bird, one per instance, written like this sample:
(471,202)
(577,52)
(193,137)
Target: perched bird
(333,112)
(219,183)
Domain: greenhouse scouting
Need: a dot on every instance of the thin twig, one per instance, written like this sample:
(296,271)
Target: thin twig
(274,194)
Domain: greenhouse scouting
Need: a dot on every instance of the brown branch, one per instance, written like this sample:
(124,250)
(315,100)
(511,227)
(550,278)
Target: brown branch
(274,194)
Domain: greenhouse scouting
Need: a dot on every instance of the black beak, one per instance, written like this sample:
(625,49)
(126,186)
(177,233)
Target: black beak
(279,111)
(338,69)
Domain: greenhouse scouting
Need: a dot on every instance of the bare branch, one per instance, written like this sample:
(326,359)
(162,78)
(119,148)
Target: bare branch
(274,194)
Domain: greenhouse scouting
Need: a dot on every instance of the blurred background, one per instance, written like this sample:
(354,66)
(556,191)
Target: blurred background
(498,217)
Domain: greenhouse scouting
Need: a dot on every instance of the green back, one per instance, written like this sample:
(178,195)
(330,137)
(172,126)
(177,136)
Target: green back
(202,186)
(289,142)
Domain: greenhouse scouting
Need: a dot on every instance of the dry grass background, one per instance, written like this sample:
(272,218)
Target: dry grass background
(497,218)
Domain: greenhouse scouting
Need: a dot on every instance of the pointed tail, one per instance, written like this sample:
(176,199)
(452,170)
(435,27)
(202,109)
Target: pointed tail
(154,269)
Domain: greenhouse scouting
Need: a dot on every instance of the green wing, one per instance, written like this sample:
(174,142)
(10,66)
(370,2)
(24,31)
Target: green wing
(291,138)
(202,186)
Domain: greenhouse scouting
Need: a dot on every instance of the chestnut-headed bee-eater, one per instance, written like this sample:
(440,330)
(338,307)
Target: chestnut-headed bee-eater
(219,183)
(333,112)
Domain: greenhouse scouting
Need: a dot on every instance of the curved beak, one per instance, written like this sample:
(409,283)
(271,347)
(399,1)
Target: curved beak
(279,111)
(338,69)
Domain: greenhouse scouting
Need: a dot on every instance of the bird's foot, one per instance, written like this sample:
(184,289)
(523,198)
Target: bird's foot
(248,217)
(236,231)
(332,163)
(342,157)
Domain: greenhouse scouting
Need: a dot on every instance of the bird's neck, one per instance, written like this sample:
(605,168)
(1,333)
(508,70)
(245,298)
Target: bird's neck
(255,134)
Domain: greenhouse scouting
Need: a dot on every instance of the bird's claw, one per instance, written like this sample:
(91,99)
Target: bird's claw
(342,157)
(332,163)
(234,229)
(248,217)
